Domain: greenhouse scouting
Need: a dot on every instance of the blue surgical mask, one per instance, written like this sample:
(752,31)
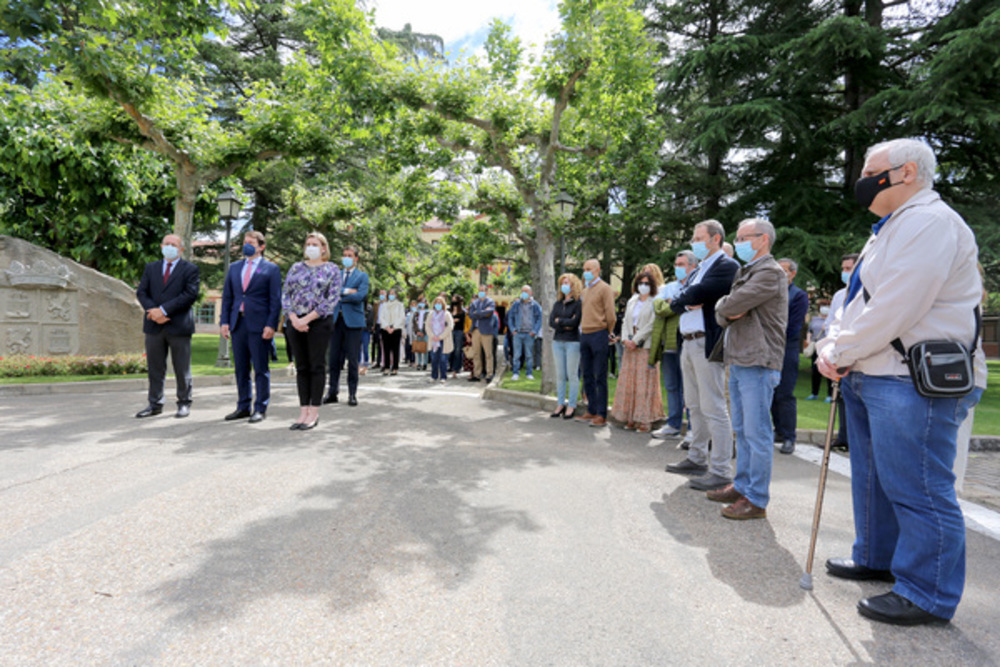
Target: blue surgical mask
(381,297)
(565,289)
(680,272)
(169,253)
(249,250)
(699,249)
(438,306)
(482,295)
(420,306)
(348,262)
(845,276)
(588,277)
(392,297)
(525,296)
(745,251)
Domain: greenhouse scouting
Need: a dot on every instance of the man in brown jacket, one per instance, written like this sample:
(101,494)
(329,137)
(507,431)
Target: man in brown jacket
(754,315)
(597,326)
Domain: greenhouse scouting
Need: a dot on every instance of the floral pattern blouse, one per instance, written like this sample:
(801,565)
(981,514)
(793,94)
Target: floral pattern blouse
(309,288)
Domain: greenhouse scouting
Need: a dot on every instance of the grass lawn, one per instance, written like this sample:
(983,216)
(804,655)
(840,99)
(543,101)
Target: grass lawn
(814,414)
(204,351)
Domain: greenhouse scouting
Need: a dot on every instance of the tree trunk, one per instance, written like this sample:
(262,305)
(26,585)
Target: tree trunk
(188,186)
(543,273)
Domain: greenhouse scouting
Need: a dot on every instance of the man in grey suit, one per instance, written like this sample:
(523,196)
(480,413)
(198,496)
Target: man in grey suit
(167,291)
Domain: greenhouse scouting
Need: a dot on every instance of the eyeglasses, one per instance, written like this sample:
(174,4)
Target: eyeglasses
(741,239)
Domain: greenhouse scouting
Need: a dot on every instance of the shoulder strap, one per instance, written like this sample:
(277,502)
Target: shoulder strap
(896,343)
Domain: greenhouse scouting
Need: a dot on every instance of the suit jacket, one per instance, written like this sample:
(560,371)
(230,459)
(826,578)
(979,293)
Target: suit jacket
(481,313)
(712,286)
(261,301)
(176,297)
(352,306)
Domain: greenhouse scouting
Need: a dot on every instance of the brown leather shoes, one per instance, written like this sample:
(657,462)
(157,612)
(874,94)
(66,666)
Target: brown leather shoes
(726,494)
(598,421)
(743,509)
(585,417)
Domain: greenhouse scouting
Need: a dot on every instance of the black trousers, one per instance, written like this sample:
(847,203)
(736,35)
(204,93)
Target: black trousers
(157,346)
(309,349)
(390,345)
(344,344)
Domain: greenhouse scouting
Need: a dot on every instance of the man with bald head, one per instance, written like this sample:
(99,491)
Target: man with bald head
(167,291)
(597,328)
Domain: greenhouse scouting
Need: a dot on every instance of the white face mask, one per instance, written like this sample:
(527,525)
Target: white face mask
(824,310)
(644,289)
(313,252)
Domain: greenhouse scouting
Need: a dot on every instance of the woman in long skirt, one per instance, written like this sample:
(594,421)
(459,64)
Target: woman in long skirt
(638,402)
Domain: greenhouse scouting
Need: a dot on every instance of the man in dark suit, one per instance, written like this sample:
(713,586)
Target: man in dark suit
(168,289)
(348,323)
(784,410)
(251,305)
(703,376)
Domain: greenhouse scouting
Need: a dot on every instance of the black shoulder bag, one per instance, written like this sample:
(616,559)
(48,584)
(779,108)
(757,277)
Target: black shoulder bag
(940,368)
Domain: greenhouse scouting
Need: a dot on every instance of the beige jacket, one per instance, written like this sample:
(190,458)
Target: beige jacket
(643,333)
(760,294)
(920,272)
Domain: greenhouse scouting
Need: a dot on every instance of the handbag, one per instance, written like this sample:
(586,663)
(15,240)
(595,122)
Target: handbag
(419,345)
(940,368)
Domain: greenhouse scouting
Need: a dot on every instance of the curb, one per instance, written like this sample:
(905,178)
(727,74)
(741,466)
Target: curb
(979,443)
(103,386)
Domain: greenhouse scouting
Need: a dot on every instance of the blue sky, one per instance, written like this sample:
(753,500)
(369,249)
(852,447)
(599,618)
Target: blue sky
(464,24)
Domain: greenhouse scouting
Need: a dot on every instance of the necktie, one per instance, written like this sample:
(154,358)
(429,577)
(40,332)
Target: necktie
(246,279)
(166,274)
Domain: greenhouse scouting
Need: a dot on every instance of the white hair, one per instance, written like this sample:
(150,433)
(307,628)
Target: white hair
(762,226)
(902,151)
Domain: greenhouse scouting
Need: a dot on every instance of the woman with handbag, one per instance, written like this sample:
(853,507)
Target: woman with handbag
(438,328)
(418,334)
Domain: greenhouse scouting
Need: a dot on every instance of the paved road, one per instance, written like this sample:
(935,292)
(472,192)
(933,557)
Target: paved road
(425,526)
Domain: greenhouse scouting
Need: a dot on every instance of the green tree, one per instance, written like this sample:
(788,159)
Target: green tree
(523,122)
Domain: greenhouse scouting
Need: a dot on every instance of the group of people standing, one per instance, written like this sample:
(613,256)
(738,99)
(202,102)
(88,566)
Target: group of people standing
(723,336)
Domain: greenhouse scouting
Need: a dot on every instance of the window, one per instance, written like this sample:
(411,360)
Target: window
(206,313)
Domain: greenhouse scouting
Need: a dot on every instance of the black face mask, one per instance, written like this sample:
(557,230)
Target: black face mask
(866,189)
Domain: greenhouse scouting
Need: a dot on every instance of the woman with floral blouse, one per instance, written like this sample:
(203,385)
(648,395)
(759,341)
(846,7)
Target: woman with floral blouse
(312,291)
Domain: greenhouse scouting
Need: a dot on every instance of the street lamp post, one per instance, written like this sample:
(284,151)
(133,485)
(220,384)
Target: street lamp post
(229,210)
(564,209)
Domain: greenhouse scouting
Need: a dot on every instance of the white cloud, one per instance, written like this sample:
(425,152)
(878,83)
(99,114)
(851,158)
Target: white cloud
(463,24)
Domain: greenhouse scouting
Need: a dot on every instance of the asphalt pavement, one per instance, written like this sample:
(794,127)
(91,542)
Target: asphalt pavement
(425,526)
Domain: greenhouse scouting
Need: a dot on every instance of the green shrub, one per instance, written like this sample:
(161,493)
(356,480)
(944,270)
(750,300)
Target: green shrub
(31,366)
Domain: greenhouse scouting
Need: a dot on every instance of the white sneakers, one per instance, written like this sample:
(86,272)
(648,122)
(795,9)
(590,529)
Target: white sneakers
(666,431)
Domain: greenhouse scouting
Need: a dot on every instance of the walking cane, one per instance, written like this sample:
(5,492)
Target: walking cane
(807,581)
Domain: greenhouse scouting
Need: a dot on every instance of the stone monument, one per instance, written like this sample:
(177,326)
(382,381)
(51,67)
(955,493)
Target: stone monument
(51,306)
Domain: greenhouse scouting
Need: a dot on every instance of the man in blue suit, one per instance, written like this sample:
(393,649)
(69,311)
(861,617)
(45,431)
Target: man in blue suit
(348,323)
(168,290)
(484,329)
(251,304)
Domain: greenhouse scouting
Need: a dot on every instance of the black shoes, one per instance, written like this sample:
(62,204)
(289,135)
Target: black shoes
(149,411)
(183,411)
(238,414)
(473,378)
(687,467)
(352,401)
(330,398)
(302,426)
(787,447)
(560,411)
(845,568)
(257,417)
(896,610)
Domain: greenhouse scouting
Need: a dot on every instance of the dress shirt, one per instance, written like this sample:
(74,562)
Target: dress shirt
(693,321)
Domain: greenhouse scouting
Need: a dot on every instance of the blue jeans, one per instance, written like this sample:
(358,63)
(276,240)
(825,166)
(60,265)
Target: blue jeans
(366,337)
(750,391)
(439,363)
(458,339)
(906,516)
(672,382)
(524,343)
(594,349)
(567,357)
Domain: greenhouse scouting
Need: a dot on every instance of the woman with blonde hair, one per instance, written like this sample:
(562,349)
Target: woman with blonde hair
(637,397)
(438,327)
(565,321)
(310,295)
